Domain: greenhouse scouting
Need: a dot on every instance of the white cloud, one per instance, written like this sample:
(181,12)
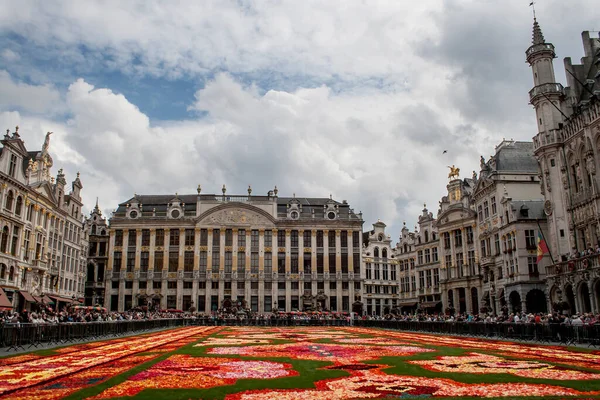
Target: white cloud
(392,84)
(36,99)
(9,56)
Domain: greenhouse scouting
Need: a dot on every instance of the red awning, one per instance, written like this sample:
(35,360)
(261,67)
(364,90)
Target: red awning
(27,296)
(5,304)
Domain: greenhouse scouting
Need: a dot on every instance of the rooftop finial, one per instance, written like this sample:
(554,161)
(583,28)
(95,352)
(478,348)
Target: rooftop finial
(224,189)
(249,190)
(199,189)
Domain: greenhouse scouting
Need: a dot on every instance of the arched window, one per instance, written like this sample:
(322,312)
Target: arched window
(9,200)
(19,205)
(103,232)
(376,252)
(405,248)
(4,240)
(2,271)
(11,276)
(419,239)
(384,253)
(30,213)
(93,229)
(426,236)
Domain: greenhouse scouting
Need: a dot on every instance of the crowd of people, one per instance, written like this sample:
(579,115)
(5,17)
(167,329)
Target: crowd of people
(86,315)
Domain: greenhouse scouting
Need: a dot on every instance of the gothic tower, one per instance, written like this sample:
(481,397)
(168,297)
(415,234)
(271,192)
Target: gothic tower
(547,98)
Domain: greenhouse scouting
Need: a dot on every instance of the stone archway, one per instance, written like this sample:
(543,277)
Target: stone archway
(514,299)
(570,299)
(584,297)
(536,301)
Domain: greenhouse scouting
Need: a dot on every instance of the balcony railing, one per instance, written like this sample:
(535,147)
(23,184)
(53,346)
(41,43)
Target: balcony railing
(546,88)
(574,265)
(553,136)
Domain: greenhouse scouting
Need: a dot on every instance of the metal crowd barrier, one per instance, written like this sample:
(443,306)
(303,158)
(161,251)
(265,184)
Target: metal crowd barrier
(31,336)
(541,333)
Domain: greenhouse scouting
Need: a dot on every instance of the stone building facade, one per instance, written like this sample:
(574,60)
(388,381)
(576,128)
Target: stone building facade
(510,215)
(461,282)
(381,272)
(419,266)
(209,252)
(42,241)
(567,146)
(97,257)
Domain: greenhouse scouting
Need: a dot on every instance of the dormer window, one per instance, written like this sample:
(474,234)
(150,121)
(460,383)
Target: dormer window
(12,169)
(331,215)
(294,214)
(133,214)
(9,200)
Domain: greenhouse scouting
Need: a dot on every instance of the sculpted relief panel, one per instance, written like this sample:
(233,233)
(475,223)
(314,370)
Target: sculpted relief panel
(236,217)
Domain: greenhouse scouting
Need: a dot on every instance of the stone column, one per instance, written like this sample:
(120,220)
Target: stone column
(165,269)
(338,268)
(151,252)
(136,268)
(288,269)
(234,264)
(313,260)
(196,269)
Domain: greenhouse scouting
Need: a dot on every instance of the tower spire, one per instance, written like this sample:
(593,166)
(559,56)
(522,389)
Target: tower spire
(538,36)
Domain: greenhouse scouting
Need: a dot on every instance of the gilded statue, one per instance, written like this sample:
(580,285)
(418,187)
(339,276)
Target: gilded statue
(454,172)
(46,144)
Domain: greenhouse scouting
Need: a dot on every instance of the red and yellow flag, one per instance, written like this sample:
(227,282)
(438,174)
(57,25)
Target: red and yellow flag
(542,247)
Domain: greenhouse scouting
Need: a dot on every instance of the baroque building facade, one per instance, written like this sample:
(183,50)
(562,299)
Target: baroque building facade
(510,216)
(381,272)
(97,257)
(461,282)
(567,147)
(419,266)
(208,252)
(42,241)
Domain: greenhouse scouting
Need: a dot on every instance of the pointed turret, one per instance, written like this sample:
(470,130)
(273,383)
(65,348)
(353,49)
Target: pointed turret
(538,36)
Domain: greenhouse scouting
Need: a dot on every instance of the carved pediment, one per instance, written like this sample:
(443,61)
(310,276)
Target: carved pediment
(236,217)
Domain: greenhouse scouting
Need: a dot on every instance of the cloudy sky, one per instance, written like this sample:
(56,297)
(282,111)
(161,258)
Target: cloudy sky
(357,99)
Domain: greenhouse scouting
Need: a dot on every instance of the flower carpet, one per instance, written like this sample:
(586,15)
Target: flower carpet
(252,363)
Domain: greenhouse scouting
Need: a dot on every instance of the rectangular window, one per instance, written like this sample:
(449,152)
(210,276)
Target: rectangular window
(144,261)
(428,278)
(203,260)
(393,272)
(203,237)
(254,240)
(469,231)
(132,238)
(145,237)
(436,277)
(447,240)
(420,257)
(241,267)
(533,267)
(117,260)
(190,237)
(480,213)
(434,254)
(448,261)
(385,276)
(160,237)
(331,239)
(188,261)
(294,239)
(319,238)
(320,263)
(254,262)
(173,261)
(307,263)
(281,263)
(530,241)
(118,237)
(494,209)
(421,279)
(268,263)
(280,238)
(158,260)
(486,210)
(293,263)
(130,261)
(356,263)
(344,239)
(332,263)
(174,237)
(457,238)
(377,272)
(427,256)
(216,262)
(483,249)
(356,239)
(216,238)
(344,259)
(268,238)
(13,165)
(228,262)
(242,238)
(497,244)
(307,239)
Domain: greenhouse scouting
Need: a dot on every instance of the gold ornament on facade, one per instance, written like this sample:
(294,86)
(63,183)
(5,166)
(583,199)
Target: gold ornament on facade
(268,249)
(242,248)
(203,248)
(307,250)
(454,172)
(281,249)
(228,248)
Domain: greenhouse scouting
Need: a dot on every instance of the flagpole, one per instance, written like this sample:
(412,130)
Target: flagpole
(544,237)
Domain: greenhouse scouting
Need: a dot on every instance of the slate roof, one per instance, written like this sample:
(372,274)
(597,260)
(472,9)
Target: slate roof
(516,157)
(535,209)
